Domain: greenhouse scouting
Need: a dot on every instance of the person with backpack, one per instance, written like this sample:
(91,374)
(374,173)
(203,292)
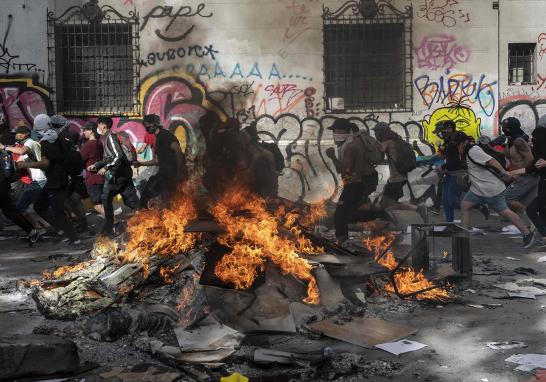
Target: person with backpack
(536,210)
(487,179)
(523,190)
(92,152)
(169,158)
(56,163)
(115,166)
(358,154)
(7,169)
(402,161)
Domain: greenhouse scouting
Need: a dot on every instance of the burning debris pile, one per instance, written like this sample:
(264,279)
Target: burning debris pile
(244,265)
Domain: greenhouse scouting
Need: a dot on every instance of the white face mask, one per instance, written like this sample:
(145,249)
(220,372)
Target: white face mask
(339,139)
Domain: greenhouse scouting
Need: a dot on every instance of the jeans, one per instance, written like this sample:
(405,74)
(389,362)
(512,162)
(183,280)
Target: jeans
(157,185)
(347,208)
(451,196)
(9,210)
(117,186)
(536,211)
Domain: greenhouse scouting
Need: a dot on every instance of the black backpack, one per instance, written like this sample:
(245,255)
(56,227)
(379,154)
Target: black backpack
(72,159)
(492,170)
(495,154)
(406,161)
(7,166)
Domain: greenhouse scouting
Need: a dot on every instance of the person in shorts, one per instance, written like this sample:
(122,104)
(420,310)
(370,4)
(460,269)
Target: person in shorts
(486,176)
(92,152)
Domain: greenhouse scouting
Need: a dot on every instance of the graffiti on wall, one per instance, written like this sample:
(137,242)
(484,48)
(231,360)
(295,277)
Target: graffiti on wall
(297,25)
(9,61)
(199,51)
(464,117)
(180,101)
(527,109)
(174,17)
(541,45)
(440,51)
(449,89)
(445,12)
(237,72)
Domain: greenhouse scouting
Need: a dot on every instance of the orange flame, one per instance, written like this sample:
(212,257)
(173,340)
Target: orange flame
(166,273)
(406,279)
(254,238)
(160,232)
(59,272)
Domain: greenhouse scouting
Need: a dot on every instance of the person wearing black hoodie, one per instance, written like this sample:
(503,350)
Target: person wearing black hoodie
(523,189)
(536,210)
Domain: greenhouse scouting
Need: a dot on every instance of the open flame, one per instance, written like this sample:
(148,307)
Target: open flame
(253,235)
(407,280)
(59,272)
(160,232)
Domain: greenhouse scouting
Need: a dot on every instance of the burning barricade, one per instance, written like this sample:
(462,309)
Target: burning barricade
(244,265)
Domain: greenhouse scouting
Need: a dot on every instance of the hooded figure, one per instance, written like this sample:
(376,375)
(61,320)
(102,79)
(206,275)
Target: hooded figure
(44,129)
(511,127)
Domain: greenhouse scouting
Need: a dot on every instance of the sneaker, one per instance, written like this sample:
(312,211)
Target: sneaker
(34,235)
(484,209)
(529,240)
(422,211)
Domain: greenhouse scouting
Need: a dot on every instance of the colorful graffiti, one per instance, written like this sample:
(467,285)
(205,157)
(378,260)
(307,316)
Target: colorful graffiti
(443,11)
(181,102)
(464,117)
(452,89)
(440,51)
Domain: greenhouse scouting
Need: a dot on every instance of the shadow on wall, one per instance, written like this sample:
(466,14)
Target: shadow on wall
(181,102)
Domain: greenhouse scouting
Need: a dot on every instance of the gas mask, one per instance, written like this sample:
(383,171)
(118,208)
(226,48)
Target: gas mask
(339,139)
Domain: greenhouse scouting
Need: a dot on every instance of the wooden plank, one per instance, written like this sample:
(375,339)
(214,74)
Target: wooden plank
(365,332)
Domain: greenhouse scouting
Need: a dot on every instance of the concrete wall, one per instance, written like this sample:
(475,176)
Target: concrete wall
(263,60)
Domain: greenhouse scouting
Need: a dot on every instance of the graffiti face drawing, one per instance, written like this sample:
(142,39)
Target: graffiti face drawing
(464,118)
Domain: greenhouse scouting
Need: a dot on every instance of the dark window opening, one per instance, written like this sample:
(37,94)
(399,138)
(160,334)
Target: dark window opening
(367,61)
(93,61)
(521,64)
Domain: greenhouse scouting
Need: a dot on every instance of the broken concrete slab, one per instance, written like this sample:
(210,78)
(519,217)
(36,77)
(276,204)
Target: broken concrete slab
(37,355)
(365,332)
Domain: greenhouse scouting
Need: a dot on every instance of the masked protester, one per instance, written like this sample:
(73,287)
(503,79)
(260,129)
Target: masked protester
(487,186)
(391,144)
(168,157)
(92,152)
(536,210)
(30,187)
(358,174)
(517,150)
(6,204)
(53,163)
(116,169)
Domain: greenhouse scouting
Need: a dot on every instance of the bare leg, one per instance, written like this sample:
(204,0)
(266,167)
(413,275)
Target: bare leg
(466,207)
(515,220)
(516,206)
(99,208)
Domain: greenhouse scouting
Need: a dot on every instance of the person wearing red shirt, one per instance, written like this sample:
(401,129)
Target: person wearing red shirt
(91,152)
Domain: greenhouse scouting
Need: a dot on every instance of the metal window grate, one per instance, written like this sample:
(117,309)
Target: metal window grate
(93,57)
(367,60)
(521,64)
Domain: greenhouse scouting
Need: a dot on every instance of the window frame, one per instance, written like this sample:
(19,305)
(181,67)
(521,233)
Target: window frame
(533,63)
(355,13)
(94,19)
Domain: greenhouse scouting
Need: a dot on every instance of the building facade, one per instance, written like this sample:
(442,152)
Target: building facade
(293,66)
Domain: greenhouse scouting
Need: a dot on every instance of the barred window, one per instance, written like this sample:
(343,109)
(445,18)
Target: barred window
(367,61)
(94,61)
(521,64)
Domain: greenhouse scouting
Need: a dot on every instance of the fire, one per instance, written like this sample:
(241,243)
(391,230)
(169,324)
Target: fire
(254,238)
(59,272)
(407,280)
(166,273)
(316,212)
(105,247)
(160,232)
